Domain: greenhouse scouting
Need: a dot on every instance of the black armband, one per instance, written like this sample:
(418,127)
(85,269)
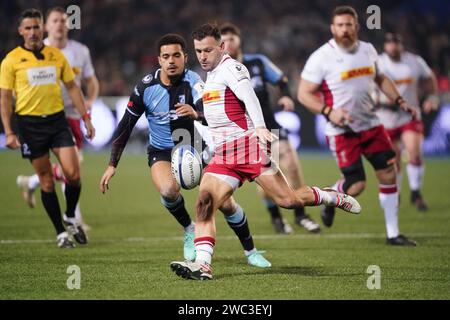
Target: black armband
(326,110)
(284,87)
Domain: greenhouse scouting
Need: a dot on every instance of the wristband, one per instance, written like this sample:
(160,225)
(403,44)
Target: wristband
(326,110)
(86,116)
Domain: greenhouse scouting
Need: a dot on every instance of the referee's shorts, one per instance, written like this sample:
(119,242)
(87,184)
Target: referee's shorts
(39,134)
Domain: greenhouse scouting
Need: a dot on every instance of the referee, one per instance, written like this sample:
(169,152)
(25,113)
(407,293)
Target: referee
(33,71)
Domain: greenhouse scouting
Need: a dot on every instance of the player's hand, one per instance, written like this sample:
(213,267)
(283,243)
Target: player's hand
(430,104)
(104,182)
(89,129)
(11,141)
(340,117)
(286,103)
(264,135)
(185,110)
(406,107)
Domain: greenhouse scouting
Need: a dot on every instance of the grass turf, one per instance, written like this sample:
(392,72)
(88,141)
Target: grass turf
(133,240)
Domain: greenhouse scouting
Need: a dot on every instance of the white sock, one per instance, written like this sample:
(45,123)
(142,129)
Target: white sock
(339,185)
(78,212)
(204,246)
(389,202)
(323,197)
(415,176)
(190,228)
(247,253)
(33,182)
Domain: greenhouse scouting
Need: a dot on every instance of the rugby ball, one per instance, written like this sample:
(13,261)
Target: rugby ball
(186,166)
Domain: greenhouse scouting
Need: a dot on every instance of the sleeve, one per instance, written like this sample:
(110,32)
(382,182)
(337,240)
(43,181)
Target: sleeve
(313,70)
(67,74)
(424,70)
(135,108)
(197,86)
(7,75)
(238,80)
(87,68)
(271,72)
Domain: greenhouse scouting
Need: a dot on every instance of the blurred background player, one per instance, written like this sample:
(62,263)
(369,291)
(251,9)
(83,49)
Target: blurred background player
(79,59)
(236,123)
(263,72)
(168,97)
(407,70)
(33,71)
(344,69)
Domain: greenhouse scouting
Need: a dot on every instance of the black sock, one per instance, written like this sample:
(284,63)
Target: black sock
(415,194)
(242,230)
(273,209)
(299,213)
(177,209)
(51,205)
(72,194)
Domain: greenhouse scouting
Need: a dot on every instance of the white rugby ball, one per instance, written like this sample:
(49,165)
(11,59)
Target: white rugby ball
(186,166)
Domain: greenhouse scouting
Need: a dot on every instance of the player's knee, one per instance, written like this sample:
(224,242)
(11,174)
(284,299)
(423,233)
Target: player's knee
(169,193)
(356,188)
(47,183)
(72,176)
(204,206)
(228,208)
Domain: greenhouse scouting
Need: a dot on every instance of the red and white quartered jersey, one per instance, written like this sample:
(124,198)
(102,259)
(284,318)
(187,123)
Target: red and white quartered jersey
(227,116)
(79,58)
(347,80)
(406,74)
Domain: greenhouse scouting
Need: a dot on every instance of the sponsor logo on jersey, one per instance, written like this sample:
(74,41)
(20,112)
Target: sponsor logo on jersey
(358,72)
(182,99)
(211,96)
(42,75)
(404,81)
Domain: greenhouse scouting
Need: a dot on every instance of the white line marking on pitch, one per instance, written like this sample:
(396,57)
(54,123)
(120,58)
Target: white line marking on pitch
(260,237)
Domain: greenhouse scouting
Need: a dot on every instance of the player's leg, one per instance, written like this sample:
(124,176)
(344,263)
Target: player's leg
(70,166)
(213,191)
(172,199)
(276,186)
(290,165)
(43,169)
(379,152)
(279,223)
(415,168)
(237,220)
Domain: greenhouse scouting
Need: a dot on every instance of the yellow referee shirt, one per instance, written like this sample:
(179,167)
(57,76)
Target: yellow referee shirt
(36,81)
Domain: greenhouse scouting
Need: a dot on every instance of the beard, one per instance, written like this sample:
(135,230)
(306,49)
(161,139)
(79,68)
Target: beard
(394,55)
(347,42)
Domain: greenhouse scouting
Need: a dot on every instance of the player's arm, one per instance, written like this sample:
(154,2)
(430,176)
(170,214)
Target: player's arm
(75,94)
(388,87)
(432,101)
(135,108)
(92,89)
(6,112)
(308,96)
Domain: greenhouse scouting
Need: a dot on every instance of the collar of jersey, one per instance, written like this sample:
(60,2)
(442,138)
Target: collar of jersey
(37,53)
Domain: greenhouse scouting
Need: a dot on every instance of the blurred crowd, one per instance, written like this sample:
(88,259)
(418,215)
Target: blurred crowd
(122,34)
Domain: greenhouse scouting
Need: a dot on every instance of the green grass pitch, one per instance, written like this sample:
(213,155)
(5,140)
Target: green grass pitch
(133,239)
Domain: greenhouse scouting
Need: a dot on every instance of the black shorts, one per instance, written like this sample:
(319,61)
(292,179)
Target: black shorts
(37,134)
(155,155)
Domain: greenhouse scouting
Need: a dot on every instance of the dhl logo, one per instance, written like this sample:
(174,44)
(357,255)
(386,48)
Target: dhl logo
(211,96)
(404,81)
(359,72)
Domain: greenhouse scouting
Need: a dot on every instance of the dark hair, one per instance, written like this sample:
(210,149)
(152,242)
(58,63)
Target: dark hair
(228,27)
(393,37)
(54,9)
(171,38)
(206,30)
(338,11)
(30,13)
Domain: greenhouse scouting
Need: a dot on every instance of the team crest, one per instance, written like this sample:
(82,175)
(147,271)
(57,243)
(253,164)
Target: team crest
(147,79)
(182,99)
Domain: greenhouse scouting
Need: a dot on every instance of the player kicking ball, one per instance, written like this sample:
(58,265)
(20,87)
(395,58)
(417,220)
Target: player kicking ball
(168,97)
(236,123)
